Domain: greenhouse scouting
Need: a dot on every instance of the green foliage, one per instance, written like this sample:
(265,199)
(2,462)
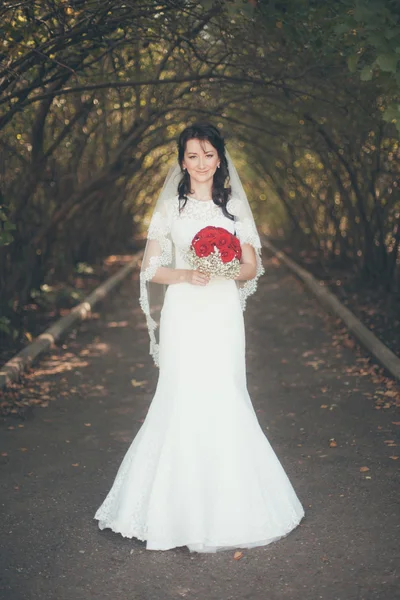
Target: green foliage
(7,329)
(48,297)
(84,269)
(6,228)
(369,31)
(95,93)
(5,325)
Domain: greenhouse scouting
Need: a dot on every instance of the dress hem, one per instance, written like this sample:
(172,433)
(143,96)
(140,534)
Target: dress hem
(208,547)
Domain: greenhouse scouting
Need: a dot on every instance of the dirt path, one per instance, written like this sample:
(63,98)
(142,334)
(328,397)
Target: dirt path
(325,415)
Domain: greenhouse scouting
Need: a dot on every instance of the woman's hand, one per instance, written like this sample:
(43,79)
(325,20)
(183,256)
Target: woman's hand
(197,277)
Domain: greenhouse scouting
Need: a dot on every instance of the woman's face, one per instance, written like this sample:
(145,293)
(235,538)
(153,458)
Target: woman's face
(201,160)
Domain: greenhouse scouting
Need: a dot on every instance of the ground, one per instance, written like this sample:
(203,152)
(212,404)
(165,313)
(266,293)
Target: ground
(328,412)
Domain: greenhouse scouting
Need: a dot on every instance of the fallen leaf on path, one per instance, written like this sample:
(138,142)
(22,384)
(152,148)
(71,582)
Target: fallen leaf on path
(4,454)
(23,449)
(348,343)
(395,422)
(364,469)
(75,464)
(324,406)
(394,457)
(314,363)
(87,424)
(137,383)
(332,443)
(238,555)
(324,559)
(391,393)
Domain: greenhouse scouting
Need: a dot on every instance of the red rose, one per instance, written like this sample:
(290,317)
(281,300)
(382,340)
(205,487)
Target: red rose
(223,240)
(202,247)
(207,233)
(227,254)
(236,246)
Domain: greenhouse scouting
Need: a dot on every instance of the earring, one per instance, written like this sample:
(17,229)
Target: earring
(218,166)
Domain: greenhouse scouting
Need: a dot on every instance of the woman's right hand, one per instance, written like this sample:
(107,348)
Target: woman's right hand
(197,277)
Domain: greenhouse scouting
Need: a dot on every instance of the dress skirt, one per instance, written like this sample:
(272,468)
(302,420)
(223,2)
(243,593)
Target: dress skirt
(200,471)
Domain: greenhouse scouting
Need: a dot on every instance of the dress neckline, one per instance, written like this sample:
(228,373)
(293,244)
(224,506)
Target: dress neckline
(202,201)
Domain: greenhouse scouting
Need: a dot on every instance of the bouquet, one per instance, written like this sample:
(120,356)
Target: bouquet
(216,252)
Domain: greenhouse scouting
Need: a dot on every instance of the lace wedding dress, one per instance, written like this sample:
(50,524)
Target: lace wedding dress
(200,472)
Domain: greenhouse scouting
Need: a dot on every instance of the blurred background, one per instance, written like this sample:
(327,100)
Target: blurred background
(95,92)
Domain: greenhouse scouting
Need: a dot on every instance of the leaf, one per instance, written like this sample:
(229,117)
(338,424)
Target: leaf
(387,62)
(352,62)
(238,555)
(332,443)
(394,457)
(366,73)
(75,464)
(341,28)
(137,383)
(364,469)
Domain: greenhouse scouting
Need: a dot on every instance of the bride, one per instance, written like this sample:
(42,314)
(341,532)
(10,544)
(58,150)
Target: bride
(200,471)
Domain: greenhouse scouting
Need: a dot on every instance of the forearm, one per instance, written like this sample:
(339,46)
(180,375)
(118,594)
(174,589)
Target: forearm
(168,276)
(247,271)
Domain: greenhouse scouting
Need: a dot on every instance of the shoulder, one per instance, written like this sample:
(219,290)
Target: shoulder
(234,205)
(170,204)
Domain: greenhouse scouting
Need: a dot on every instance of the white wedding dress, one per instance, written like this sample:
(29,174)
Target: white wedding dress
(200,471)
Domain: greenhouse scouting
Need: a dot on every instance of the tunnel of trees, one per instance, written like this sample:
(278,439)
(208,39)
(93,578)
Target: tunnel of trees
(94,93)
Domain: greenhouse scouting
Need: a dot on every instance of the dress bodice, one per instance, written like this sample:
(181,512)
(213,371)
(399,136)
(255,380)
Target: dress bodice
(194,216)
